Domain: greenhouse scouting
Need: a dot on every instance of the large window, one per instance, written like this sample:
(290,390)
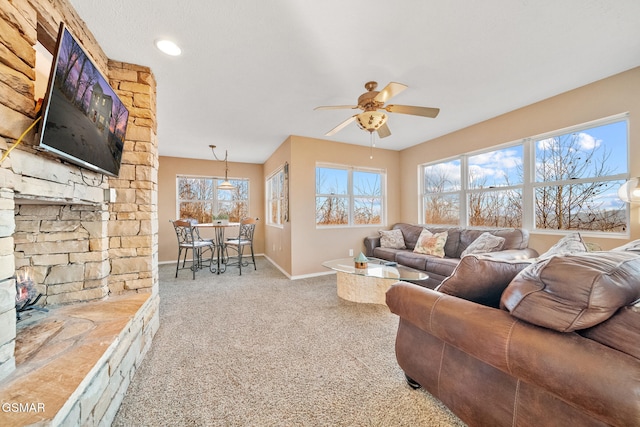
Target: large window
(199,198)
(349,196)
(275,198)
(565,180)
(577,175)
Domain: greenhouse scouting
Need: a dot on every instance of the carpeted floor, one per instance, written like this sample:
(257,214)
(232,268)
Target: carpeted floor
(262,350)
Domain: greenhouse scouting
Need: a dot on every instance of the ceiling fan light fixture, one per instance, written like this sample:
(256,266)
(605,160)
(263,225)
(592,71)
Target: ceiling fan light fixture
(371,120)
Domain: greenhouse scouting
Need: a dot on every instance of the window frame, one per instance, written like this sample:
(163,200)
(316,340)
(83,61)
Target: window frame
(529,184)
(279,176)
(215,202)
(350,195)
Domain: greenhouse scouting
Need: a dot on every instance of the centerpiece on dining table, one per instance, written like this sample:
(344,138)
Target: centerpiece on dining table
(221,219)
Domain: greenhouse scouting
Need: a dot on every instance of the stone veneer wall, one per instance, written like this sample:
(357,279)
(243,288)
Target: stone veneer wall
(122,236)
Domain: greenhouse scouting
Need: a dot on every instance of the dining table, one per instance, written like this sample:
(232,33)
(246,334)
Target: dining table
(218,242)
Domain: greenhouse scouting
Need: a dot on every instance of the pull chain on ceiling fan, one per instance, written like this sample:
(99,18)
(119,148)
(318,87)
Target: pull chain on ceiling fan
(371,102)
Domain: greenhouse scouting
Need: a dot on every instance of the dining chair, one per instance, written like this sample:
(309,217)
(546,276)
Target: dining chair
(243,240)
(188,239)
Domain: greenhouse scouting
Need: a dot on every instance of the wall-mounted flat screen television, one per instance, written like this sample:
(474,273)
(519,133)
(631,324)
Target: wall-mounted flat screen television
(83,120)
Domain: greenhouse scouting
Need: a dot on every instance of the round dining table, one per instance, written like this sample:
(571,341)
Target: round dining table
(218,242)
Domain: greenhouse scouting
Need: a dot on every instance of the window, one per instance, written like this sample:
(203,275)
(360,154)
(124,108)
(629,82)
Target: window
(349,196)
(441,187)
(495,183)
(199,198)
(577,175)
(275,198)
(565,180)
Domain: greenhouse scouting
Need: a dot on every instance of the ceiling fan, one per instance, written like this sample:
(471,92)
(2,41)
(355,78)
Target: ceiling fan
(371,102)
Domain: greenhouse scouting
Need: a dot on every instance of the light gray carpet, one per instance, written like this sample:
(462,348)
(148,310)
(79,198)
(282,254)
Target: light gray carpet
(262,350)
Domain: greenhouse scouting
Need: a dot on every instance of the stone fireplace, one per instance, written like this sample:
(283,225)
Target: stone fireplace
(58,248)
(86,240)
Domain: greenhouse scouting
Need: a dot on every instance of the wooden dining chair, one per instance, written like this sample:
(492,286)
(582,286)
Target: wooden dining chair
(189,240)
(243,240)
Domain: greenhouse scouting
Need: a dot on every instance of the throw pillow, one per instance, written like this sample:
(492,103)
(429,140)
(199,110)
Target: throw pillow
(431,244)
(574,291)
(481,278)
(486,242)
(392,239)
(571,243)
(633,246)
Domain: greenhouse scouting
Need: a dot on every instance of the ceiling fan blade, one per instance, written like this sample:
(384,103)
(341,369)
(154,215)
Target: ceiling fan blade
(415,111)
(340,126)
(336,107)
(383,131)
(389,91)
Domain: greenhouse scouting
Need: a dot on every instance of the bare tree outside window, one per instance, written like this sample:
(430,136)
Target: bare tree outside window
(200,199)
(576,177)
(441,187)
(348,196)
(591,202)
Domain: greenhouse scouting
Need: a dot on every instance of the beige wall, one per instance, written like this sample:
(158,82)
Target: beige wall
(311,245)
(299,247)
(607,97)
(278,238)
(170,167)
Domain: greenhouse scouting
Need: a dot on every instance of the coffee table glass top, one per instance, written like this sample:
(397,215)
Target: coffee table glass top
(376,267)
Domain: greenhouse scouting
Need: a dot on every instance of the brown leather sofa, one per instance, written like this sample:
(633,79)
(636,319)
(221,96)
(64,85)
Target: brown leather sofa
(563,349)
(458,239)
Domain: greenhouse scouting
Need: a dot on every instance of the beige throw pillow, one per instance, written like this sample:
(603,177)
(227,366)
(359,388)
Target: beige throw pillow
(485,243)
(392,239)
(431,244)
(569,244)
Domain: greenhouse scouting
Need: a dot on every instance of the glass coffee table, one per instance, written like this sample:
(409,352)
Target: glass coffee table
(369,285)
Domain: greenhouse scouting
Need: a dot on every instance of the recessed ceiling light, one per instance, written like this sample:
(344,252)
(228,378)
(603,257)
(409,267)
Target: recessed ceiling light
(168,47)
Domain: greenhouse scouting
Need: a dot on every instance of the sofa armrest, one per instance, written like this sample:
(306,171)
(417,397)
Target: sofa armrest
(513,254)
(370,243)
(571,367)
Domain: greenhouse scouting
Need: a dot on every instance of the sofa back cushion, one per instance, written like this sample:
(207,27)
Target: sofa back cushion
(412,232)
(458,239)
(574,291)
(514,238)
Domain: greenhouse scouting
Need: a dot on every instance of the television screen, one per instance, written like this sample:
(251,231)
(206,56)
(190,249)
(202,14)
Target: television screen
(83,120)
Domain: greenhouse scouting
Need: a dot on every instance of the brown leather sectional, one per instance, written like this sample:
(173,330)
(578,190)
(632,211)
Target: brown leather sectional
(562,349)
(458,239)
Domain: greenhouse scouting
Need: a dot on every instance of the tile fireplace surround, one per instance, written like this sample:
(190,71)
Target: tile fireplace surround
(92,256)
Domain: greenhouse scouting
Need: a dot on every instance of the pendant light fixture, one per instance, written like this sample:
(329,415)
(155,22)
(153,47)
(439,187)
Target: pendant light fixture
(226,185)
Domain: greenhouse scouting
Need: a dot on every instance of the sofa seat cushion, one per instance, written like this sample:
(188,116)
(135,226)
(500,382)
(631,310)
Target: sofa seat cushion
(387,253)
(621,332)
(574,291)
(481,278)
(441,266)
(412,260)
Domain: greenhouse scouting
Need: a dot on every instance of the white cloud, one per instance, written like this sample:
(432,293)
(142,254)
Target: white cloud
(588,142)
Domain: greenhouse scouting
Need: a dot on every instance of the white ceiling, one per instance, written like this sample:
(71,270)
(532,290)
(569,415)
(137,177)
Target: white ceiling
(252,71)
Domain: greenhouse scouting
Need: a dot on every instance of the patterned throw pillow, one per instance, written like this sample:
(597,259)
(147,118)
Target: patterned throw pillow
(392,239)
(431,244)
(486,242)
(569,244)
